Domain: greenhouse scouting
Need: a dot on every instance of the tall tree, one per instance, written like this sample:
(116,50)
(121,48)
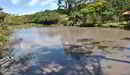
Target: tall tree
(72,3)
(66,3)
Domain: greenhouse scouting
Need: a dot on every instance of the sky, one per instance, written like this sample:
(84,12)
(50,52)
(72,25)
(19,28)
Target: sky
(21,7)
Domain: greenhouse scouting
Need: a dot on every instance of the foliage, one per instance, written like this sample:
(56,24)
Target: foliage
(2,16)
(99,12)
(75,12)
(87,13)
(49,18)
(15,20)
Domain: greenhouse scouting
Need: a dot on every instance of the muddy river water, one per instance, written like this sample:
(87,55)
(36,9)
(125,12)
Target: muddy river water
(42,51)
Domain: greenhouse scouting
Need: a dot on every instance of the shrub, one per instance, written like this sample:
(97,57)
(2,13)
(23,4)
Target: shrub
(49,18)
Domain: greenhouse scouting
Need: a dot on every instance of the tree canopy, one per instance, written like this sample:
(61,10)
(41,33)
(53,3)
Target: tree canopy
(77,12)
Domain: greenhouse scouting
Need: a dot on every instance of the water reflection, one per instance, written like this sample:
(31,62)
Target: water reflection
(56,63)
(36,54)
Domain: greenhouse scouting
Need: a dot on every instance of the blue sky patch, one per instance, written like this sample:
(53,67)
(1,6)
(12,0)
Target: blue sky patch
(27,6)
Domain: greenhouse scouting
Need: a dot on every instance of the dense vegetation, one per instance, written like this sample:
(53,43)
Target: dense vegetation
(95,13)
(76,13)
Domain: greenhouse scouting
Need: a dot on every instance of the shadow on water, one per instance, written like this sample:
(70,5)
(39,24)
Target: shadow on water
(44,54)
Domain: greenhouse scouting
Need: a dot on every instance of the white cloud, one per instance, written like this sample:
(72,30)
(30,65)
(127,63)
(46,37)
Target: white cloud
(47,4)
(41,2)
(48,1)
(6,10)
(33,2)
(15,1)
(30,6)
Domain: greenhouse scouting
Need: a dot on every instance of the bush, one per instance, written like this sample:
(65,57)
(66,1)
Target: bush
(14,20)
(49,18)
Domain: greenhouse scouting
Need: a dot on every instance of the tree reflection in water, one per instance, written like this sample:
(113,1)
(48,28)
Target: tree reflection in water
(68,64)
(38,54)
(88,64)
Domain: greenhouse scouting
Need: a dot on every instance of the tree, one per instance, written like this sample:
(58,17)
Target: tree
(2,15)
(93,12)
(1,9)
(119,6)
(68,4)
(49,18)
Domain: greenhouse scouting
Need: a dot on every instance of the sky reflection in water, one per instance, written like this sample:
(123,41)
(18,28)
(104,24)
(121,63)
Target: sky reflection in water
(37,54)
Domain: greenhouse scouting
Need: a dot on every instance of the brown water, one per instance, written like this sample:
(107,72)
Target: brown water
(40,51)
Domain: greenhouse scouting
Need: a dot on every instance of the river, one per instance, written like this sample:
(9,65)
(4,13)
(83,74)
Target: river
(42,51)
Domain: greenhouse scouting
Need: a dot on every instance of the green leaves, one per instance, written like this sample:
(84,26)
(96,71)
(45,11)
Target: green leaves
(49,18)
(108,12)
